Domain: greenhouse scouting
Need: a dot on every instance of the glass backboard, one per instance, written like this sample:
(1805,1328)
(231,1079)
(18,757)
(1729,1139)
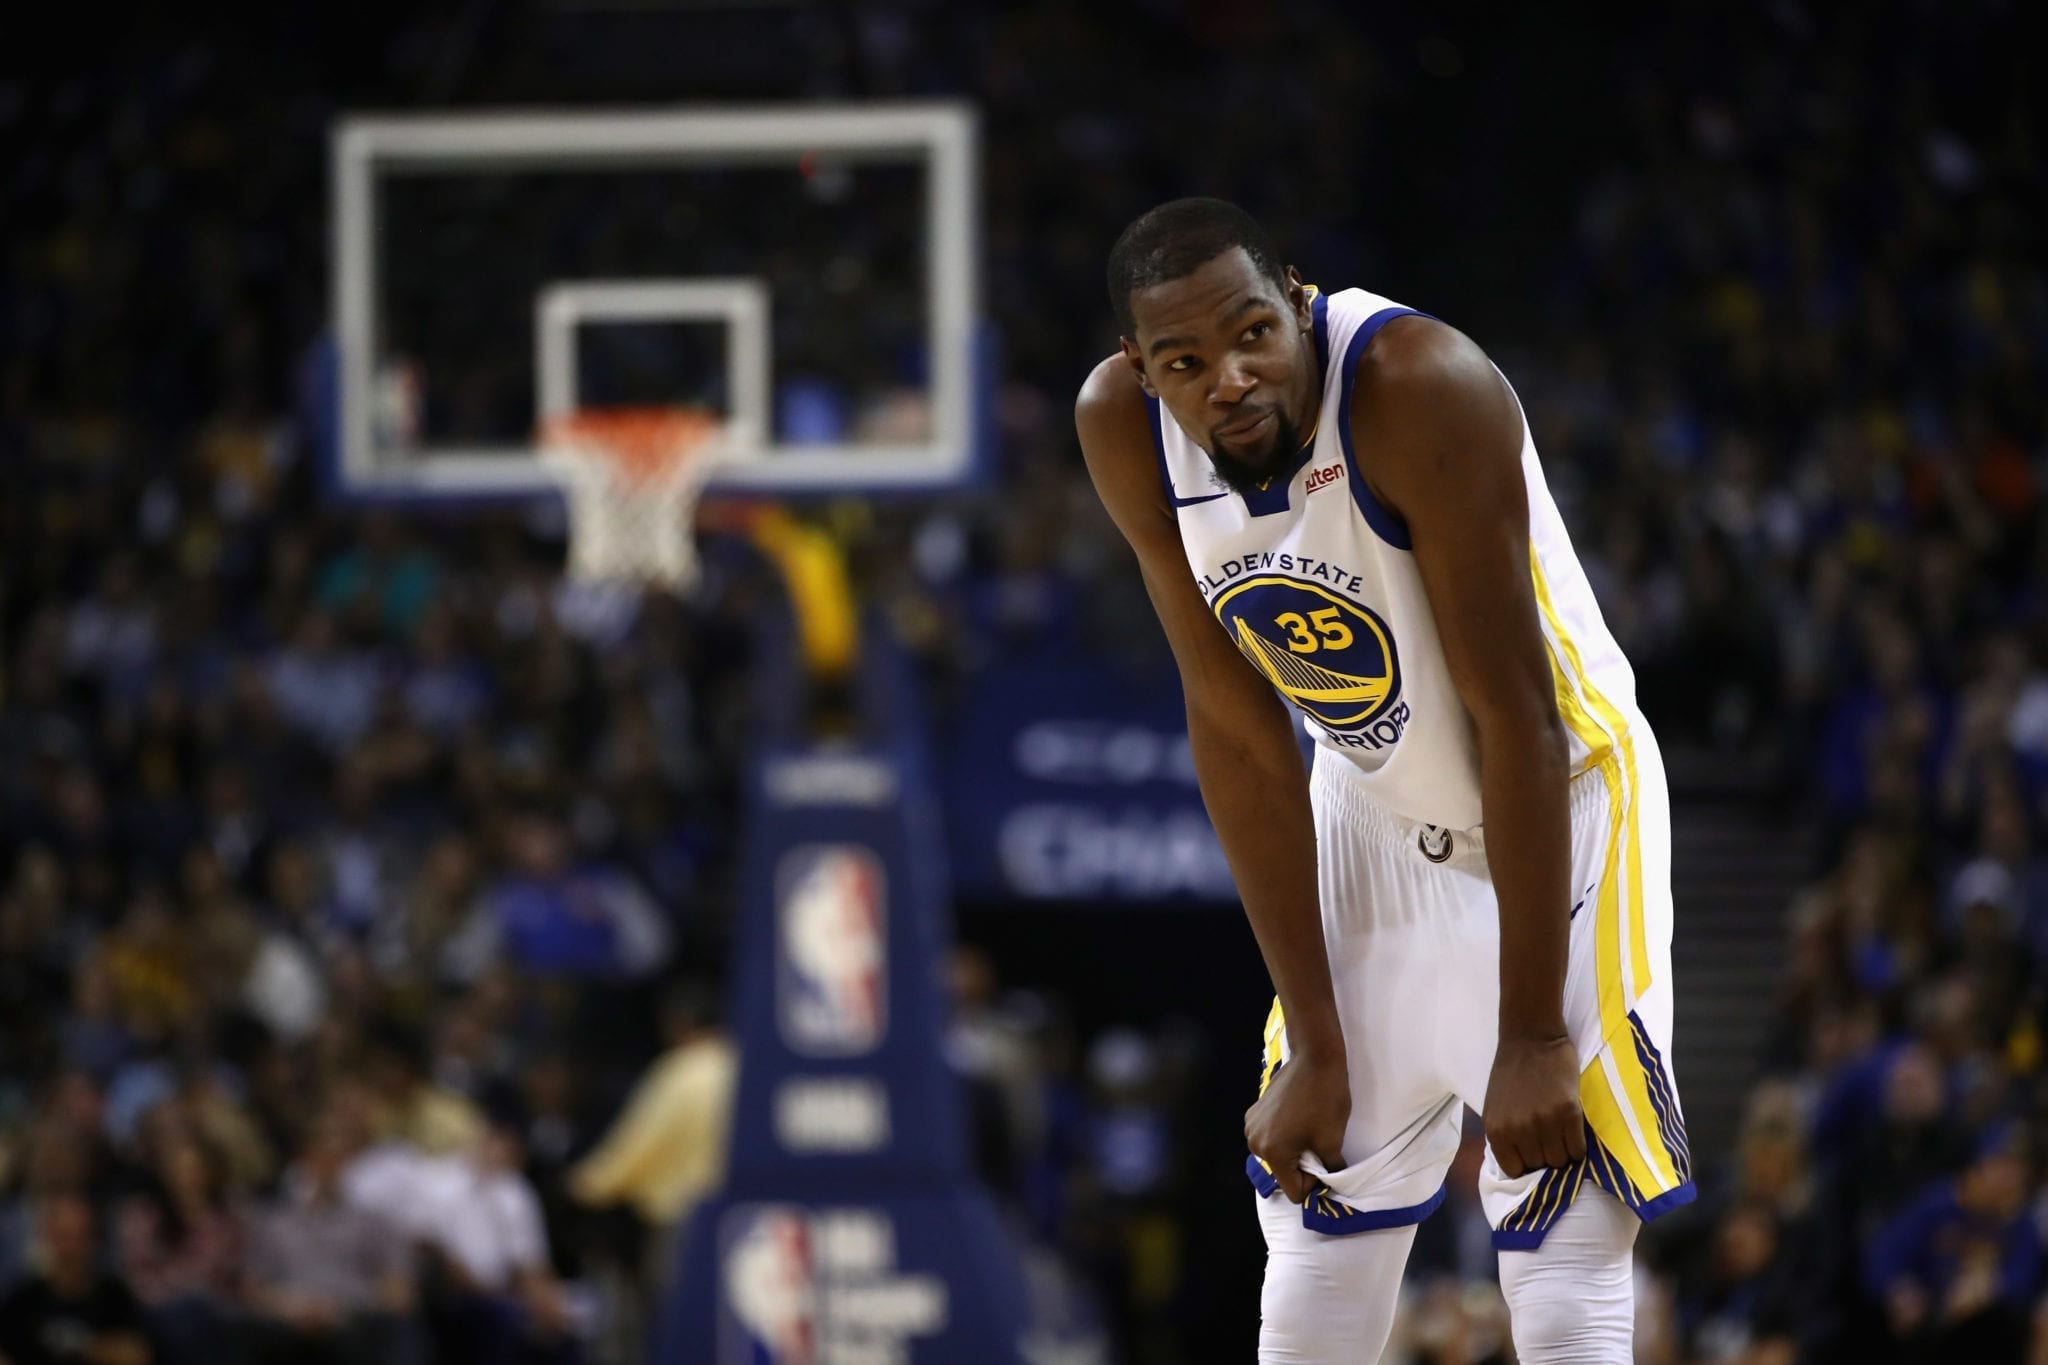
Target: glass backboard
(811,273)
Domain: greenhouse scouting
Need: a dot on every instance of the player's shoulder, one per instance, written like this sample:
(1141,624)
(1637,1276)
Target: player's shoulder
(1114,423)
(1426,375)
(1438,412)
(1110,412)
(1420,356)
(1110,393)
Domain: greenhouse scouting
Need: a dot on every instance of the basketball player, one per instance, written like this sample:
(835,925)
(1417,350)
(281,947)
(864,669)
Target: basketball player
(1466,900)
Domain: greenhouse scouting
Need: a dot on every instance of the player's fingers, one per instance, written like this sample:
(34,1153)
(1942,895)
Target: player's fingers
(1509,1157)
(1554,1152)
(1575,1138)
(1294,1181)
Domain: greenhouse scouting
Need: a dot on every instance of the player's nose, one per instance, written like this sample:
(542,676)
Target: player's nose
(1233,382)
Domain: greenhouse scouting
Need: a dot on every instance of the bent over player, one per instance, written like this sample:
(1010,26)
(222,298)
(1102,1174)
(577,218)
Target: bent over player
(1466,899)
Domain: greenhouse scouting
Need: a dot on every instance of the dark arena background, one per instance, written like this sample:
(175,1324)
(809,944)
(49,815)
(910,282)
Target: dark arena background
(414,951)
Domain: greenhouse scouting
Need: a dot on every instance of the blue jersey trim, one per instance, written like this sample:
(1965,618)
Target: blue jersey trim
(1319,327)
(1670,1124)
(1272,497)
(1385,524)
(1528,1239)
(1675,1198)
(1326,1213)
(1173,499)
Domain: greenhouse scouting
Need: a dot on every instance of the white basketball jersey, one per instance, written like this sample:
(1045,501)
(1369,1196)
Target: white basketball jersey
(1315,582)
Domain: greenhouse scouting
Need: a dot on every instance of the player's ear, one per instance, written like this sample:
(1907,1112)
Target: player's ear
(1298,300)
(1136,360)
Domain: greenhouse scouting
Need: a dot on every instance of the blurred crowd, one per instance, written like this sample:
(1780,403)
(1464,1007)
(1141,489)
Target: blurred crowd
(1798,367)
(364,886)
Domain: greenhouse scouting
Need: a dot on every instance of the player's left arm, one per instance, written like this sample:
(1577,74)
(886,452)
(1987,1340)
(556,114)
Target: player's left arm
(1440,441)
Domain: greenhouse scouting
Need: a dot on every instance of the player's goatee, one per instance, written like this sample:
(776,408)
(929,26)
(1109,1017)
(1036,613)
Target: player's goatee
(1243,475)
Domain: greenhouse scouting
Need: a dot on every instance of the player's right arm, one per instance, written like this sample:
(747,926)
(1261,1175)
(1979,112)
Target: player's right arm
(1249,766)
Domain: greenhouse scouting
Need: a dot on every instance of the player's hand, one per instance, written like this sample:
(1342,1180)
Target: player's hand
(1532,1105)
(1304,1109)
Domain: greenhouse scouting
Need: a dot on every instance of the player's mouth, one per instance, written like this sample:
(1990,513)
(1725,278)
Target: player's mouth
(1238,432)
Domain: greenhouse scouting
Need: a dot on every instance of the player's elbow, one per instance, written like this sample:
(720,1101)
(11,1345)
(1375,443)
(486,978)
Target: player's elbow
(1522,730)
(1241,731)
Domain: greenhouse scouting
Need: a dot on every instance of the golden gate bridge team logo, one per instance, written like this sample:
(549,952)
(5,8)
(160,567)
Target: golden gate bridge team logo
(1329,655)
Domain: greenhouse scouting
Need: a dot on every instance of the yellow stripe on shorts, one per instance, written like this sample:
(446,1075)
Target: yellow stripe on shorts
(1639,1150)
(1276,1027)
(1618,908)
(1602,728)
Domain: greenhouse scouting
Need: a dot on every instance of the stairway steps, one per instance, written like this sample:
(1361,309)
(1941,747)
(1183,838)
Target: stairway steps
(1735,868)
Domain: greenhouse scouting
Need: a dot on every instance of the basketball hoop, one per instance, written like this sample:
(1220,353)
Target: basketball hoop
(632,477)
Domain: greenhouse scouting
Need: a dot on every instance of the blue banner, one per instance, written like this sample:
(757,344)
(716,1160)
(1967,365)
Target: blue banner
(1074,782)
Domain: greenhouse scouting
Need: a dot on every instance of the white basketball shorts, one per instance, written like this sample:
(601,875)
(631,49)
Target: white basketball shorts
(1413,934)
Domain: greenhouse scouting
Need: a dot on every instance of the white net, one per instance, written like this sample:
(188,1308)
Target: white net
(632,478)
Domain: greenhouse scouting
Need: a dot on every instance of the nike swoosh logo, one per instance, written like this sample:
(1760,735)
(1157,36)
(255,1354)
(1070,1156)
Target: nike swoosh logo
(1179,501)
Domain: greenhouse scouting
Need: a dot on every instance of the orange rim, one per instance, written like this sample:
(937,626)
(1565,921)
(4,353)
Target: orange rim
(644,443)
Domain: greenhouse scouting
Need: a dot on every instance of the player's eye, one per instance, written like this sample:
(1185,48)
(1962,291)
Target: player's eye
(1257,330)
(1181,364)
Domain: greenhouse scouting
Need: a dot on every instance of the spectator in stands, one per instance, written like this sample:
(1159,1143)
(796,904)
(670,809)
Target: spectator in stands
(1129,1177)
(381,1169)
(93,1037)
(546,1096)
(50,1162)
(148,962)
(414,947)
(1747,1259)
(411,1105)
(381,581)
(550,917)
(326,1282)
(494,1295)
(68,1311)
(1744,1306)
(267,973)
(666,1150)
(994,1058)
(37,950)
(324,688)
(1958,1271)
(74,1114)
(206,1102)
(180,1246)
(446,689)
(1905,1140)
(112,633)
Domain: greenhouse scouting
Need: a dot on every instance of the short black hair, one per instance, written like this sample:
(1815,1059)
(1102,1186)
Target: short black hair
(1178,238)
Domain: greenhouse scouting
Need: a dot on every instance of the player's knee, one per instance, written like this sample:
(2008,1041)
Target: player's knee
(1573,1299)
(1326,1298)
(1554,1326)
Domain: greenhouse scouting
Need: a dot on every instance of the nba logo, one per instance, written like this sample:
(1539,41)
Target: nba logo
(832,948)
(771,1290)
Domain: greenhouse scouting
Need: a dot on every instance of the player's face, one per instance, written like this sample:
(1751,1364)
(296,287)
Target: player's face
(1231,355)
